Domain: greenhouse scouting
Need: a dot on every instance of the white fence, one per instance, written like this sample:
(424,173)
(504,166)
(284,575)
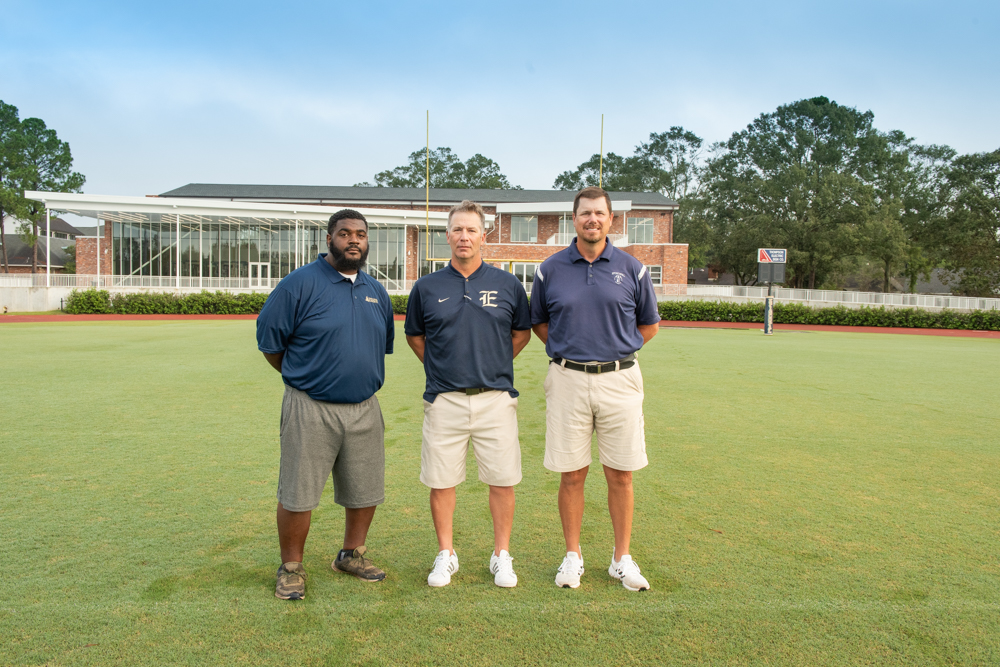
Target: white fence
(168,283)
(842,297)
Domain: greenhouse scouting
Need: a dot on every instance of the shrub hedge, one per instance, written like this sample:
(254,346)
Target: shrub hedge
(162,303)
(793,313)
(222,303)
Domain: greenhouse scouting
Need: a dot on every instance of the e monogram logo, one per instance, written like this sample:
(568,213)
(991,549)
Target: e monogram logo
(487,298)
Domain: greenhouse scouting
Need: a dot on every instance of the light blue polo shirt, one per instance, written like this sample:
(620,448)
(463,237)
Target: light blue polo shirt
(593,309)
(335,333)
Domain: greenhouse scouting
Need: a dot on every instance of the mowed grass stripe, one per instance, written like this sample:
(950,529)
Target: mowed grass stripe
(812,498)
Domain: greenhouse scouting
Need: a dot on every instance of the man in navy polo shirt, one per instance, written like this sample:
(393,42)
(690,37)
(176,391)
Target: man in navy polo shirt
(594,306)
(466,323)
(326,328)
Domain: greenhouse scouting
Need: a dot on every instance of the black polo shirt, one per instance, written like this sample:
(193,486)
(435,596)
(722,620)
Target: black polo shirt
(467,324)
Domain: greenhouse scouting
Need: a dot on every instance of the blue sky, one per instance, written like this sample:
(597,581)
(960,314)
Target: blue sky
(151,98)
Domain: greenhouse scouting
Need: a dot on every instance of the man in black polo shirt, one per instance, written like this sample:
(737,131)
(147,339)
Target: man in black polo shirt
(593,306)
(326,328)
(466,323)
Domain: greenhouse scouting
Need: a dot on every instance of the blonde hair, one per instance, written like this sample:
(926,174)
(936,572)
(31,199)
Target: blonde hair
(468,206)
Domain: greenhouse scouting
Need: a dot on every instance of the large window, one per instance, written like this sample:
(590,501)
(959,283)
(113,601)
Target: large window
(525,272)
(387,255)
(640,230)
(524,229)
(655,274)
(440,252)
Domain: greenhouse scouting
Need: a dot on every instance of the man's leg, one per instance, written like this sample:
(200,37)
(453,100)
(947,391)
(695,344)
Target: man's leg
(293,528)
(502,509)
(571,507)
(620,506)
(443,512)
(356,524)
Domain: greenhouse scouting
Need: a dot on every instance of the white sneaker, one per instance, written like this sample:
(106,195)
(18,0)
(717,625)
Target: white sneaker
(568,575)
(445,565)
(627,571)
(502,567)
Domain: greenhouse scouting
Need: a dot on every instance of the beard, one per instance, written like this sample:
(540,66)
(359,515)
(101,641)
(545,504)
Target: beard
(342,263)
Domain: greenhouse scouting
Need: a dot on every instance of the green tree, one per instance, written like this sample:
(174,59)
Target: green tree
(446,171)
(969,231)
(70,265)
(46,165)
(11,157)
(675,156)
(620,174)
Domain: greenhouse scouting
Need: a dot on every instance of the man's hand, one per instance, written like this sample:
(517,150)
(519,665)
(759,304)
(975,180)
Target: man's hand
(520,339)
(648,331)
(274,359)
(542,331)
(417,344)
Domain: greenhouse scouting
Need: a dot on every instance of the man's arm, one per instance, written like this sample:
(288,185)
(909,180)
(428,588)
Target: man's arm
(520,338)
(274,359)
(542,331)
(648,331)
(416,344)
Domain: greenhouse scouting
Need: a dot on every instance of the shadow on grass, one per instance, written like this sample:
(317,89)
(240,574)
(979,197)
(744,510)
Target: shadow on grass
(223,575)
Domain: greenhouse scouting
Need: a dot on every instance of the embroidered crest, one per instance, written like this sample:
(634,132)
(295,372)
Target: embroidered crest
(619,277)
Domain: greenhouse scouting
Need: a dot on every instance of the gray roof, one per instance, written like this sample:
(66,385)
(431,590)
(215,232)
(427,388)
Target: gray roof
(58,226)
(340,194)
(19,253)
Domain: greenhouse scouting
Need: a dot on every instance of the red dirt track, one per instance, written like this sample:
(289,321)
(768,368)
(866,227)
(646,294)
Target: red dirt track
(961,333)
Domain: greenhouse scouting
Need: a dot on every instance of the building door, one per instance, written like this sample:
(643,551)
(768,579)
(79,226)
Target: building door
(260,275)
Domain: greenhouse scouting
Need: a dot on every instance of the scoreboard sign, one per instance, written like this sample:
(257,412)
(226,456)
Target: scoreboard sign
(771,265)
(771,255)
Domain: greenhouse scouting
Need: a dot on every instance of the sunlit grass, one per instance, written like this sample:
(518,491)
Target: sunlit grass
(811,498)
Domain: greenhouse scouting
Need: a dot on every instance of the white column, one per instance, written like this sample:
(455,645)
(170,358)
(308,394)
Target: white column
(178,282)
(98,233)
(201,253)
(48,248)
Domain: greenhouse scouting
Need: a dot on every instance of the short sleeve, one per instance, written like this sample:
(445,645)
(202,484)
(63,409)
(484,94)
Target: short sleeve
(539,307)
(522,311)
(414,325)
(276,321)
(646,310)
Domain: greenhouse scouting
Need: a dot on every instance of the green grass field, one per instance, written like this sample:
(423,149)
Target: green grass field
(811,498)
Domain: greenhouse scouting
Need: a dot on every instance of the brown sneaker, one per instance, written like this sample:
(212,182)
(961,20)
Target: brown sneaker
(291,582)
(355,563)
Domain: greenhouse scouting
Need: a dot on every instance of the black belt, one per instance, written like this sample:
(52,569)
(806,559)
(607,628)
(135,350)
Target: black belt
(611,366)
(476,390)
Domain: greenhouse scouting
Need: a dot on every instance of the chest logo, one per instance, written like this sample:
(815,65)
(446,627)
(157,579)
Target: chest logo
(619,277)
(487,298)
(371,299)
(444,299)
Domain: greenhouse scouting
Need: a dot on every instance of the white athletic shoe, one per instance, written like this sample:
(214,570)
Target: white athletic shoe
(502,567)
(445,565)
(627,571)
(568,575)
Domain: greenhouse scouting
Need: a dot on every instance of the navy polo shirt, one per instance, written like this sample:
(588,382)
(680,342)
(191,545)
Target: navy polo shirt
(467,324)
(334,333)
(593,310)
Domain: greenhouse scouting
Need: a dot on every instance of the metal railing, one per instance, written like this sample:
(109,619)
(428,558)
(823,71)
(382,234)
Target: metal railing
(844,297)
(187,284)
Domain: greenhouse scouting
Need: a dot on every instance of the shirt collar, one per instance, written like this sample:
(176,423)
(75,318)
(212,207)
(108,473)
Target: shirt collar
(334,275)
(575,255)
(475,274)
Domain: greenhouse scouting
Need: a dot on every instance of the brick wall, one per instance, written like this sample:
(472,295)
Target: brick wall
(86,254)
(672,257)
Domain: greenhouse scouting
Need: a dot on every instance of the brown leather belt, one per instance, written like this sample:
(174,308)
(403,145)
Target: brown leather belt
(476,390)
(609,367)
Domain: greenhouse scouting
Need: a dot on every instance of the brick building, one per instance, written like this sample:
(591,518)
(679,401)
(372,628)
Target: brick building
(529,225)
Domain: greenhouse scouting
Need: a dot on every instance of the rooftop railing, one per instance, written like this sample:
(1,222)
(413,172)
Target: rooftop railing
(565,238)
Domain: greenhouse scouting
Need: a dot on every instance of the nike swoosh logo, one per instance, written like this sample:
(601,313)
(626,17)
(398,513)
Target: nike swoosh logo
(444,299)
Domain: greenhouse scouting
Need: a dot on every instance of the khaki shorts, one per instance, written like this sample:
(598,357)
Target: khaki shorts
(577,404)
(489,420)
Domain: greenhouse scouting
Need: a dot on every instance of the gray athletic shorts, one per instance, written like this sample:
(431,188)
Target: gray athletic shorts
(318,438)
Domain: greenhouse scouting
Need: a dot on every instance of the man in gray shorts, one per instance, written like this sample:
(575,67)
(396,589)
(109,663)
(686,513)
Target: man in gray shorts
(326,328)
